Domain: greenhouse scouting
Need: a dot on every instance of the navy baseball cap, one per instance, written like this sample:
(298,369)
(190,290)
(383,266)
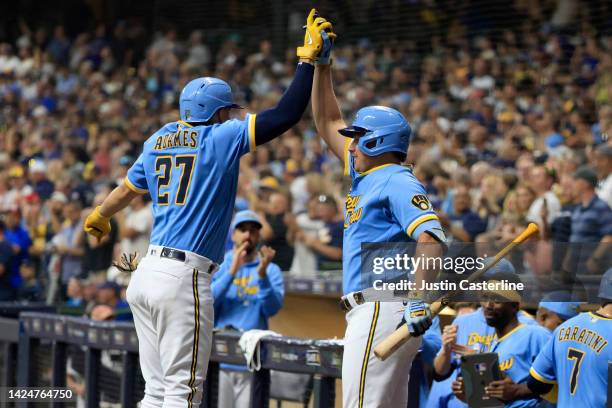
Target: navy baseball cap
(605,287)
(245,216)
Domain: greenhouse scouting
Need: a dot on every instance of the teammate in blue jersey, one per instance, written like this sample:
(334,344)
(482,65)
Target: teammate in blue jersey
(576,357)
(247,291)
(386,203)
(190,169)
(469,333)
(517,345)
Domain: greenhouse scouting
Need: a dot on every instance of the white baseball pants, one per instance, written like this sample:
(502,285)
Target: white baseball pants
(368,382)
(173,313)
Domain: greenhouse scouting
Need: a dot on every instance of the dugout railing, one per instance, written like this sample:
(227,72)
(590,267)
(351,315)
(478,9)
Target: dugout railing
(57,339)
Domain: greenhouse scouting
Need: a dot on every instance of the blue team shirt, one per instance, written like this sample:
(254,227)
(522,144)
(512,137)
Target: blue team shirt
(382,206)
(517,351)
(246,301)
(474,332)
(576,359)
(191,174)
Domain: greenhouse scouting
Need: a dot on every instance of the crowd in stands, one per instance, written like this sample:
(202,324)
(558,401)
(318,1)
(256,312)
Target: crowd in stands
(505,132)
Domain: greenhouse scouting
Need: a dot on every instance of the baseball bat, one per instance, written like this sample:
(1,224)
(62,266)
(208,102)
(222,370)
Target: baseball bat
(400,336)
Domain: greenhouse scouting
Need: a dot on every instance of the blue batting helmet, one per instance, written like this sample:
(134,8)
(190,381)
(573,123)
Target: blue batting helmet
(381,129)
(202,97)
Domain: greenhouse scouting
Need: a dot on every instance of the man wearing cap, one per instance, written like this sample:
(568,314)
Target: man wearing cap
(591,225)
(469,333)
(555,308)
(517,345)
(247,291)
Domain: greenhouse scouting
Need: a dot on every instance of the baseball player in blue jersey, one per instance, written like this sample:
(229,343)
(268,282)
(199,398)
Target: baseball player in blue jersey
(576,357)
(517,345)
(190,169)
(386,203)
(469,333)
(247,291)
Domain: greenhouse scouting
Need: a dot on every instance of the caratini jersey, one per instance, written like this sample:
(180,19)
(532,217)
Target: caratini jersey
(385,204)
(576,359)
(191,174)
(517,351)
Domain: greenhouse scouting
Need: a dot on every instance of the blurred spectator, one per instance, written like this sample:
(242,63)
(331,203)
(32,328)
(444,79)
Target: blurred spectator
(541,180)
(68,244)
(592,220)
(98,254)
(7,291)
(136,226)
(603,164)
(275,228)
(306,224)
(19,238)
(327,242)
(464,224)
(74,293)
(30,290)
(109,295)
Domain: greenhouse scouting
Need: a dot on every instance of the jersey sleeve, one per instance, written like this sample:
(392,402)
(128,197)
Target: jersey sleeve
(234,138)
(410,206)
(543,368)
(136,179)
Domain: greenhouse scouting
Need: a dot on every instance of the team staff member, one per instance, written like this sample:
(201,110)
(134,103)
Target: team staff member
(386,203)
(190,168)
(247,291)
(469,333)
(517,345)
(576,358)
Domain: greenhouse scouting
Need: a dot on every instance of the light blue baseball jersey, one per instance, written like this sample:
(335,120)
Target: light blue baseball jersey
(245,300)
(474,332)
(385,204)
(576,358)
(191,174)
(517,351)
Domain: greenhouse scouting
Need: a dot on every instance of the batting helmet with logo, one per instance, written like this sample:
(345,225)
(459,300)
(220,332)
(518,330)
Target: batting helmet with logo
(202,97)
(380,130)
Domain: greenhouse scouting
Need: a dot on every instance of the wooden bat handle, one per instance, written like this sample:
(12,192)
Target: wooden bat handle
(400,336)
(396,339)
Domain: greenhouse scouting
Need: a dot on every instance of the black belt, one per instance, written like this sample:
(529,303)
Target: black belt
(346,305)
(181,256)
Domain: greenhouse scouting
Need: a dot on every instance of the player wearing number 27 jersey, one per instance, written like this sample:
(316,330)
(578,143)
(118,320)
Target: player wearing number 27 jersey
(190,169)
(181,156)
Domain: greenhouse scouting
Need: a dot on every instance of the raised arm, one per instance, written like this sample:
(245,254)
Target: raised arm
(273,122)
(326,111)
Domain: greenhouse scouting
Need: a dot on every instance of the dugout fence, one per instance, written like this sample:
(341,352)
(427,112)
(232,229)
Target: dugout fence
(41,348)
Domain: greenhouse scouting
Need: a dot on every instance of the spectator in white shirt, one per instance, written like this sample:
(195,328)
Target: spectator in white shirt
(541,180)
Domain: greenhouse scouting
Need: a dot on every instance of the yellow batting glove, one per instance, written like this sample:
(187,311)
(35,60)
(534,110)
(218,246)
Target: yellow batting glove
(96,224)
(313,43)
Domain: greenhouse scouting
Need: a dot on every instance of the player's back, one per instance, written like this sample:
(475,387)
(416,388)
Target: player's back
(578,354)
(191,174)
